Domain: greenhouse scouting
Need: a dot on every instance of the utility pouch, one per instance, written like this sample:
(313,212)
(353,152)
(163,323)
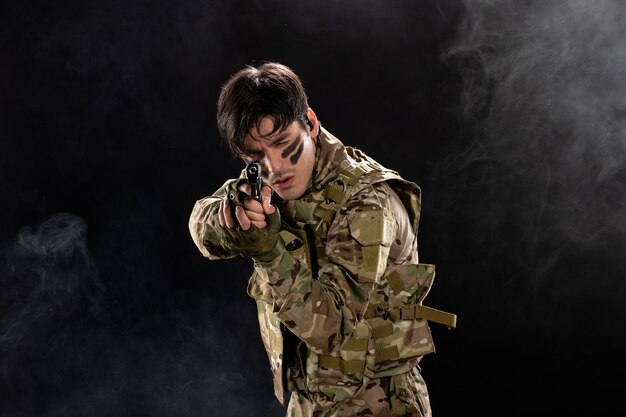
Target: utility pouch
(338,376)
(399,324)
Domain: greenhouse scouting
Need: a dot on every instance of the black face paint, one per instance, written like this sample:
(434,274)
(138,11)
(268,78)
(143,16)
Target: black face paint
(289,149)
(294,158)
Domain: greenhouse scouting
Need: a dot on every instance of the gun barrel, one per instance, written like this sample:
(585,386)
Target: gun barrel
(253,174)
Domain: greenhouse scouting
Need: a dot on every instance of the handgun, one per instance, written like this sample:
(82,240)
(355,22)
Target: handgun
(253,175)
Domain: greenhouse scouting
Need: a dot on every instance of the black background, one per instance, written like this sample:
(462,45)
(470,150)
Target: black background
(509,115)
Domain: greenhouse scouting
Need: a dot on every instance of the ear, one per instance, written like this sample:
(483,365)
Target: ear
(315,124)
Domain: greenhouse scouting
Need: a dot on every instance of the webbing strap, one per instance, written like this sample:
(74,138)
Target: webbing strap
(395,282)
(335,192)
(324,211)
(349,367)
(417,311)
(338,190)
(383,331)
(321,252)
(357,366)
(374,310)
(387,354)
(352,176)
(287,236)
(412,312)
(356,345)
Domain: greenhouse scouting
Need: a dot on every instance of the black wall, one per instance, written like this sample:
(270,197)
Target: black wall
(510,115)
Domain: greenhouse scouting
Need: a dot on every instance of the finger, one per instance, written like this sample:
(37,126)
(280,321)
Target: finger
(266,190)
(243,220)
(220,213)
(259,223)
(245,188)
(266,193)
(253,205)
(228,215)
(255,215)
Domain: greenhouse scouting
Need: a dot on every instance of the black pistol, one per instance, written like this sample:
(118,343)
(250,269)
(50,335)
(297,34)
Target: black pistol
(253,174)
(253,177)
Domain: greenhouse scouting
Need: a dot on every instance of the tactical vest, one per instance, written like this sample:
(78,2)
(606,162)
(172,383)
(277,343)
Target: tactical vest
(393,334)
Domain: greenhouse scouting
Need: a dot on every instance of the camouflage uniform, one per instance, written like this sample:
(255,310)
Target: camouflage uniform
(339,296)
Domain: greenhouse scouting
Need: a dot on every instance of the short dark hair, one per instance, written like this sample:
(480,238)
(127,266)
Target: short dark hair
(271,90)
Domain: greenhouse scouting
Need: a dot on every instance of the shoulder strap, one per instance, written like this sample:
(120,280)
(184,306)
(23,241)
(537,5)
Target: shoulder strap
(340,189)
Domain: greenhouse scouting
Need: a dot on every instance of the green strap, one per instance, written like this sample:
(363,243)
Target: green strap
(412,312)
(387,354)
(349,367)
(338,191)
(373,311)
(320,251)
(287,236)
(356,345)
(324,211)
(383,331)
(395,282)
(352,176)
(357,366)
(417,311)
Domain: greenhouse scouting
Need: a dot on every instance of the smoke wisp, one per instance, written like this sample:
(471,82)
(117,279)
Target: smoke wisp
(544,99)
(71,344)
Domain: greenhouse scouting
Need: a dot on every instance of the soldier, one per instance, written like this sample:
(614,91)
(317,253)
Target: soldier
(333,240)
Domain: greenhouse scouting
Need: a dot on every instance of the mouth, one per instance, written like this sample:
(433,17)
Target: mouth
(284,183)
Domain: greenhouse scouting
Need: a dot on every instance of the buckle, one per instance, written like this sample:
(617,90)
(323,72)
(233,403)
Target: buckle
(382,312)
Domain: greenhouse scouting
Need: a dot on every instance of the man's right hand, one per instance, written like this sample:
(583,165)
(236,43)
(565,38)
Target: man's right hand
(237,231)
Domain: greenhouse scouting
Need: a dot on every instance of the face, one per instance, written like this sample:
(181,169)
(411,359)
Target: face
(287,157)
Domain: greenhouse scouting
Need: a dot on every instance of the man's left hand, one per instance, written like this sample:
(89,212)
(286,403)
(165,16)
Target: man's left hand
(254,212)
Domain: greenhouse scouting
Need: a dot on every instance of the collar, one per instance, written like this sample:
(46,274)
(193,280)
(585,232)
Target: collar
(330,154)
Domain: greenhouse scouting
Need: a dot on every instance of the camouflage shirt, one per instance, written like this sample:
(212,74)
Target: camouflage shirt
(339,298)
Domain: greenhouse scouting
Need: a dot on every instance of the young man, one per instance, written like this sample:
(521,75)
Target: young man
(333,240)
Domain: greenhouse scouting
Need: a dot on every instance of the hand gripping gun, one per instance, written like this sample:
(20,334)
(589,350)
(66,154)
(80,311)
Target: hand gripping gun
(253,178)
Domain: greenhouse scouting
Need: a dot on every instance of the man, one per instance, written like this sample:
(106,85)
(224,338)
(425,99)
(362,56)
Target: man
(333,240)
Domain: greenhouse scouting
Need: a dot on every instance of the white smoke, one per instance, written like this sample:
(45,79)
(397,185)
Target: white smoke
(545,96)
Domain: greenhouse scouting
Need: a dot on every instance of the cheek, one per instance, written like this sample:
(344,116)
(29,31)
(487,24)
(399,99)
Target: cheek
(297,153)
(307,160)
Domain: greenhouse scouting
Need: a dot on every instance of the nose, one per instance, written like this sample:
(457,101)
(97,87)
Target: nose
(272,163)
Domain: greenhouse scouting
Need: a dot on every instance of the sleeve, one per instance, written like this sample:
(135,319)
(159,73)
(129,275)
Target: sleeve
(204,224)
(323,311)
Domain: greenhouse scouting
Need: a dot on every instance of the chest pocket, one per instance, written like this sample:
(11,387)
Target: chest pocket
(374,231)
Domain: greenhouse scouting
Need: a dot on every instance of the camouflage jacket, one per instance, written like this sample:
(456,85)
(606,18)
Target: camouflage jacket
(340,299)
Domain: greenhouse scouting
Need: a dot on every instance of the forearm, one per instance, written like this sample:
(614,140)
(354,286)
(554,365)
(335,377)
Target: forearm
(204,225)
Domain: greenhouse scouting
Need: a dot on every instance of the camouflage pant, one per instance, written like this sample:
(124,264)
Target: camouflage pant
(403,395)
